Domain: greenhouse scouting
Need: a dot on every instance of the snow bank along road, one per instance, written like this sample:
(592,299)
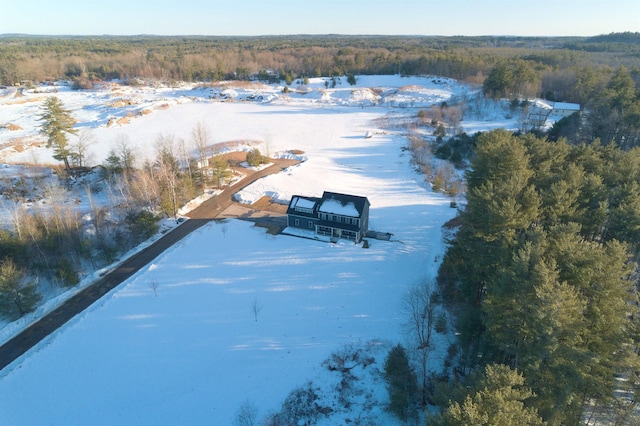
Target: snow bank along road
(49,323)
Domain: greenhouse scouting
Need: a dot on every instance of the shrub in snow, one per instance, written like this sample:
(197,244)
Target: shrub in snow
(344,362)
(347,359)
(301,407)
(82,83)
(255,158)
(66,273)
(142,224)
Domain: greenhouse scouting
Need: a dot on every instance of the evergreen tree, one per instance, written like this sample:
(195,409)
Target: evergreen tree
(17,297)
(534,323)
(624,217)
(502,200)
(499,81)
(497,398)
(255,158)
(401,384)
(220,169)
(113,163)
(544,283)
(57,123)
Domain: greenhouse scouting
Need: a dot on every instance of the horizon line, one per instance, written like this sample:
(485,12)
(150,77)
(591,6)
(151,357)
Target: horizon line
(312,35)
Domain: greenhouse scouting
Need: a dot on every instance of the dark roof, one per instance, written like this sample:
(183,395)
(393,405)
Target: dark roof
(304,202)
(342,204)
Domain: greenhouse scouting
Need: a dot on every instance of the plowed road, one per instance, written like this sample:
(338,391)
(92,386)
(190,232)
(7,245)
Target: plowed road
(49,323)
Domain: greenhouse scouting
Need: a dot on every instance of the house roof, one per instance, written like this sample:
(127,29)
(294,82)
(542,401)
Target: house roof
(303,206)
(305,203)
(342,204)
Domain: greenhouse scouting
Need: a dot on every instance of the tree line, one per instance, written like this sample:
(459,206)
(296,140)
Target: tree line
(542,275)
(601,73)
(196,58)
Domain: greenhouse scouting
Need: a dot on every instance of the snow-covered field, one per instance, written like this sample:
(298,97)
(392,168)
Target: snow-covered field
(233,315)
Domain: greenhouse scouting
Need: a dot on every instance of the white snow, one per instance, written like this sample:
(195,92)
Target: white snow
(232,314)
(333,206)
(302,203)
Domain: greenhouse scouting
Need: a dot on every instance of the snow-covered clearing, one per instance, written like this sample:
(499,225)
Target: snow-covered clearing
(232,314)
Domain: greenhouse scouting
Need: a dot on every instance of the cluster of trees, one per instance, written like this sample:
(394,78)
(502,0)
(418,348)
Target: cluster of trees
(172,178)
(610,99)
(542,272)
(54,243)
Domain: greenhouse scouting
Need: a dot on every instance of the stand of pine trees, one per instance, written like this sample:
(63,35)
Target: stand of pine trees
(542,271)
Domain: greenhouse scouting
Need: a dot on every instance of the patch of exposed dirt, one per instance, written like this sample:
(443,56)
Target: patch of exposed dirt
(121,103)
(266,203)
(235,157)
(12,127)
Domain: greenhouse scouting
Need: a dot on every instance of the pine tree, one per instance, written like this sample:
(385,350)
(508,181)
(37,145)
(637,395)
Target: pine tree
(502,198)
(624,220)
(535,323)
(220,169)
(601,274)
(497,398)
(401,384)
(499,82)
(57,123)
(17,297)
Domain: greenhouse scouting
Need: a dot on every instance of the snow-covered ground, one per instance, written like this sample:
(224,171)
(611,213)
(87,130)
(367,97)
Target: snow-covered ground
(232,315)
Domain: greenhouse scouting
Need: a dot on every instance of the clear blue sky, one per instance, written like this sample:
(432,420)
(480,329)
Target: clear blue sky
(269,17)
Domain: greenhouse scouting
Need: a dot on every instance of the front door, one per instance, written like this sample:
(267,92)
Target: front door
(336,233)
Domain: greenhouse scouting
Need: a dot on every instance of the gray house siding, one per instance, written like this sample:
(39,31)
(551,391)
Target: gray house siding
(302,222)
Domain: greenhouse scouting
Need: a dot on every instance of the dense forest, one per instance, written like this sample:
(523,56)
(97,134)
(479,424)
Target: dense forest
(549,65)
(542,273)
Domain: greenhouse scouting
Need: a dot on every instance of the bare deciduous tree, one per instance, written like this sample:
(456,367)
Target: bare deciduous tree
(79,150)
(17,213)
(126,153)
(418,307)
(153,285)
(201,137)
(247,415)
(168,168)
(256,307)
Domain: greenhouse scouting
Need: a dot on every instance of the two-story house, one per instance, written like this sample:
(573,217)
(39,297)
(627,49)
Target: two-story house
(333,215)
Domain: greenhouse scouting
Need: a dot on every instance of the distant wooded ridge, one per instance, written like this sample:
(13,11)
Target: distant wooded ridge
(214,58)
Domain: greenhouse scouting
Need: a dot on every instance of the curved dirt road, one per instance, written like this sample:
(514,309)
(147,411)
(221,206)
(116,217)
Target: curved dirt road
(210,209)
